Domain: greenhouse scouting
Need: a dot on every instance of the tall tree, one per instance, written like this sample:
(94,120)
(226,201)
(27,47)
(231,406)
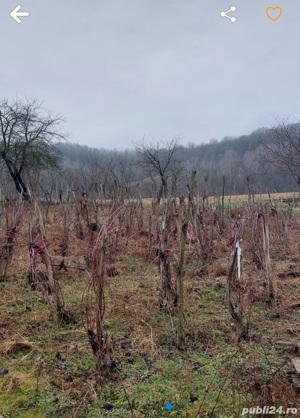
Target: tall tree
(27,139)
(281,149)
(157,158)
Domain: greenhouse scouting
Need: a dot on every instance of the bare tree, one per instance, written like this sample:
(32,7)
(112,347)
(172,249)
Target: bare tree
(157,159)
(27,138)
(281,149)
(177,171)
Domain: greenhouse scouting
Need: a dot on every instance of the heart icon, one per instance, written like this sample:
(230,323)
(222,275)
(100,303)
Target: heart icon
(276,13)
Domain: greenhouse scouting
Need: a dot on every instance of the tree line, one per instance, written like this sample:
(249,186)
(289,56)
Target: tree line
(36,159)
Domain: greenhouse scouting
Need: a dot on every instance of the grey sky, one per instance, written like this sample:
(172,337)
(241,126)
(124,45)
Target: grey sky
(121,70)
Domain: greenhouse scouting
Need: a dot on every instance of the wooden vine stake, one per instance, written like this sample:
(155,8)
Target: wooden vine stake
(61,314)
(98,337)
(266,249)
(165,284)
(7,242)
(65,237)
(183,239)
(237,317)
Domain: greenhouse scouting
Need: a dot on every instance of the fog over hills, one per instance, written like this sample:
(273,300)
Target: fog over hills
(235,161)
(235,158)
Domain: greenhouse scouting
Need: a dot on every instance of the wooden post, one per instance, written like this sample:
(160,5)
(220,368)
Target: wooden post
(150,235)
(266,248)
(223,194)
(54,289)
(238,320)
(98,337)
(186,217)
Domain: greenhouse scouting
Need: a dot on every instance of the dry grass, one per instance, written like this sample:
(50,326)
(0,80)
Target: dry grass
(50,366)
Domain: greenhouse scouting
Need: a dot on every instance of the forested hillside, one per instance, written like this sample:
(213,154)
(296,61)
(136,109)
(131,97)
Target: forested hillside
(96,169)
(234,158)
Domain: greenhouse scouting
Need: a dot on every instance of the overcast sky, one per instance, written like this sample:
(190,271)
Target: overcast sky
(121,70)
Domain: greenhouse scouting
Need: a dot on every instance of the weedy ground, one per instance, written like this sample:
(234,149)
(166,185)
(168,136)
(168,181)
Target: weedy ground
(47,369)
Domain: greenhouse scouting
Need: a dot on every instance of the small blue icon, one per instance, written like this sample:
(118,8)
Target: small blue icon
(169,406)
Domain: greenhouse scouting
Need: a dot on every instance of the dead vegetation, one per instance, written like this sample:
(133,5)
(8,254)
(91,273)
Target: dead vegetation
(92,313)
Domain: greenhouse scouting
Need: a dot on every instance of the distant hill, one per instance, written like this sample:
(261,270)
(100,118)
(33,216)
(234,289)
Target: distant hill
(235,158)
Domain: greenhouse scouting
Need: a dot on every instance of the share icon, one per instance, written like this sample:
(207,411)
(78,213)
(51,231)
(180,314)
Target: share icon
(225,14)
